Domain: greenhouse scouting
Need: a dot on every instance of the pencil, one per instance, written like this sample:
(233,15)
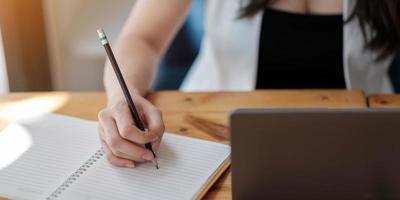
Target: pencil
(131,105)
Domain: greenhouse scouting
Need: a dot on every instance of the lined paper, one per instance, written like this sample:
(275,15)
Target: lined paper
(186,165)
(58,146)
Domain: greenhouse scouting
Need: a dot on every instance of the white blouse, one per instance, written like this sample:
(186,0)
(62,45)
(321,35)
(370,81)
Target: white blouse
(229,53)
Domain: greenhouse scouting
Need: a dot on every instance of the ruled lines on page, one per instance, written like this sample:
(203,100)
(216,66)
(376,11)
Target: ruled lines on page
(186,165)
(58,145)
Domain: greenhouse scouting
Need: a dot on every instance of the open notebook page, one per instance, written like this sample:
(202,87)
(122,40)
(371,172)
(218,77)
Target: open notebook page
(37,155)
(186,165)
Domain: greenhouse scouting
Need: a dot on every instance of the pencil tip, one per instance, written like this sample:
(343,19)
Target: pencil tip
(155,163)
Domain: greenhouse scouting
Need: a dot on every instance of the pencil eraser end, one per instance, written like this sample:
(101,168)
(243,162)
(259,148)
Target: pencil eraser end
(100,32)
(102,36)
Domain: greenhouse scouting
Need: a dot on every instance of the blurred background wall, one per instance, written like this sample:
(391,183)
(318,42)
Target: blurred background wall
(4,88)
(52,44)
(25,45)
(75,54)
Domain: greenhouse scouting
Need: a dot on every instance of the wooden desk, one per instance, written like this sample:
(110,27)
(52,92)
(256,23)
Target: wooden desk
(384,101)
(200,115)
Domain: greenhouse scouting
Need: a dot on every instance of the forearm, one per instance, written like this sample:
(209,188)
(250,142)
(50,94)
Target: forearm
(137,61)
(147,33)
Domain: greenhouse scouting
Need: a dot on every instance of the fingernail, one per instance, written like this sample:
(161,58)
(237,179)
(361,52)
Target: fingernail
(130,165)
(156,146)
(147,156)
(154,139)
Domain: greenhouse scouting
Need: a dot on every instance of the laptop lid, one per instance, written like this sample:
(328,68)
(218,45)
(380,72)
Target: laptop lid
(315,154)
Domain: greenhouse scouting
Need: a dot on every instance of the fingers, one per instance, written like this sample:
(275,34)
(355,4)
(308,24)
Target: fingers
(114,160)
(122,141)
(154,120)
(118,146)
(155,124)
(127,128)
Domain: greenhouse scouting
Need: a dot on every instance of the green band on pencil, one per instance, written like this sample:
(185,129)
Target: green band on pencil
(103,38)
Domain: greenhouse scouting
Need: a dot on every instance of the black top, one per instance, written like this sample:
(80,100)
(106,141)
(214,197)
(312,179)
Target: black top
(300,51)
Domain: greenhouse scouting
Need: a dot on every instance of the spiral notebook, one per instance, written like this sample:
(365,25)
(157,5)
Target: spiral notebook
(59,157)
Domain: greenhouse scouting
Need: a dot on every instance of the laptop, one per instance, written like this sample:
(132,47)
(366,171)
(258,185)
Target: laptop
(315,154)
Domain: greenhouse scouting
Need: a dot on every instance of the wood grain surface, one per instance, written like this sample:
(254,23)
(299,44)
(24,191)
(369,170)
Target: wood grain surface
(200,115)
(384,101)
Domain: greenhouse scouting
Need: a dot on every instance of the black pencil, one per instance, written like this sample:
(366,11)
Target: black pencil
(131,105)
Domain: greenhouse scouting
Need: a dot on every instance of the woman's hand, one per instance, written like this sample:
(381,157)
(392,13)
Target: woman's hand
(147,32)
(122,141)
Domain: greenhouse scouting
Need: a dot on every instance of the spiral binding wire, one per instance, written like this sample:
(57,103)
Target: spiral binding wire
(74,176)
